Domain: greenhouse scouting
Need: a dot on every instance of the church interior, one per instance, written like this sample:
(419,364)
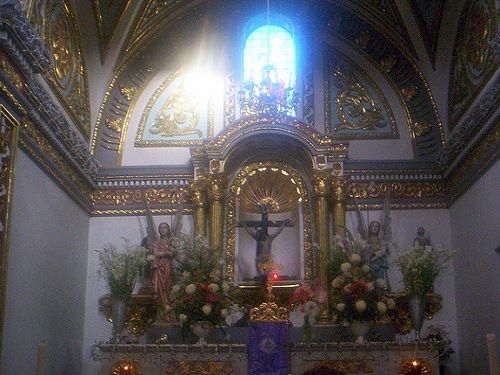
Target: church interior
(280,135)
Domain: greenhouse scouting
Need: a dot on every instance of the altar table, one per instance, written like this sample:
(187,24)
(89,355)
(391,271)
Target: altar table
(377,358)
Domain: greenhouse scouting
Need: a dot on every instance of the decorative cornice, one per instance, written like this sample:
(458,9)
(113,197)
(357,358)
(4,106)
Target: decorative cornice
(21,40)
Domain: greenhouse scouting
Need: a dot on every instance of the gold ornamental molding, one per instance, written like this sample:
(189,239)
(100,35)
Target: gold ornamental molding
(315,141)
(185,367)
(399,190)
(269,311)
(129,197)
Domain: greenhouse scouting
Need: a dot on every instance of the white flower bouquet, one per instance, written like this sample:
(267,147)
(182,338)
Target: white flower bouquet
(421,266)
(120,268)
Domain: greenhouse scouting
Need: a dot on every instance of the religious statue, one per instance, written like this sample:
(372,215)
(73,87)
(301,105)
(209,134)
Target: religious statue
(264,239)
(162,254)
(422,240)
(377,250)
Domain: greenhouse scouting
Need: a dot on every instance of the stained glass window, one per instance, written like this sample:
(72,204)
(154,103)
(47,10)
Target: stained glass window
(269,48)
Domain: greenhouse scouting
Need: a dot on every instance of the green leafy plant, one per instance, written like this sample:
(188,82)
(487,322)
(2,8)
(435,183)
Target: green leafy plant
(421,266)
(120,268)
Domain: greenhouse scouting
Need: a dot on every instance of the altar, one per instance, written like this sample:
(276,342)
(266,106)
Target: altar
(377,358)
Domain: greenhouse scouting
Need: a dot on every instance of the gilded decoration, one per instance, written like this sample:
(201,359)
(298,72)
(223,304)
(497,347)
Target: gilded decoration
(474,57)
(408,93)
(401,317)
(308,134)
(402,189)
(420,129)
(175,115)
(185,367)
(11,73)
(68,76)
(405,73)
(349,366)
(124,197)
(9,128)
(126,367)
(230,99)
(269,311)
(237,187)
(355,106)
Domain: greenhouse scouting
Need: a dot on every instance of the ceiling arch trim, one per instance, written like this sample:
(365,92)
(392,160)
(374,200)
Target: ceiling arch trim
(405,76)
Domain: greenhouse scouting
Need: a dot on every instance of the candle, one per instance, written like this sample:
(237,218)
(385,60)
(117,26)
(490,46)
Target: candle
(492,353)
(40,361)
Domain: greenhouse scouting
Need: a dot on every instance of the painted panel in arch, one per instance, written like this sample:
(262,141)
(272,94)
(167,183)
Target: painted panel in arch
(357,107)
(475,56)
(174,116)
(8,145)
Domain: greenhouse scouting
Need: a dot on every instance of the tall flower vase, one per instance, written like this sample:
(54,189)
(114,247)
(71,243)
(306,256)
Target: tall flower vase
(416,305)
(119,313)
(359,329)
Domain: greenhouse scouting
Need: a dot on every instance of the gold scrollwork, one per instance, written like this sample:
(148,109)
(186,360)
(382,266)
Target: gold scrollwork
(269,311)
(420,128)
(387,63)
(347,365)
(356,109)
(178,116)
(115,124)
(406,189)
(128,92)
(11,72)
(415,365)
(185,367)
(408,93)
(126,197)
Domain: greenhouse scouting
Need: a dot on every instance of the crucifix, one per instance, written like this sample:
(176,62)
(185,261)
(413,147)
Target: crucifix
(263,238)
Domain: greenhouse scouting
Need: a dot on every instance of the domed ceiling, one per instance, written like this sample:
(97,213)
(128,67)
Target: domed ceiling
(402,88)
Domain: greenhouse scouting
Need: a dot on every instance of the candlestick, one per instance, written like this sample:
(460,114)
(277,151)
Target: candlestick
(492,353)
(40,361)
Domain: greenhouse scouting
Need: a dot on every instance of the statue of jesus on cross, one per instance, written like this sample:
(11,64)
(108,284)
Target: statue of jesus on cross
(263,238)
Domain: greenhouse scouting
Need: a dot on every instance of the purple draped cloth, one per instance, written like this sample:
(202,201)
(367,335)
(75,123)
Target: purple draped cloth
(268,348)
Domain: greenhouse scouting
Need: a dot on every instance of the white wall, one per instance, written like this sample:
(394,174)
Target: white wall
(46,276)
(475,229)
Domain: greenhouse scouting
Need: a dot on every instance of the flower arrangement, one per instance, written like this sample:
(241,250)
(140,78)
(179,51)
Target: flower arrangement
(421,266)
(307,299)
(356,296)
(120,268)
(199,293)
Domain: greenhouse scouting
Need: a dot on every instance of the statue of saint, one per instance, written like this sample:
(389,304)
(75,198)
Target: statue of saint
(264,242)
(162,253)
(162,256)
(378,253)
(422,240)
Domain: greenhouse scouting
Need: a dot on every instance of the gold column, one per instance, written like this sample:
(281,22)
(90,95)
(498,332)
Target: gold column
(321,181)
(216,197)
(200,204)
(339,193)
